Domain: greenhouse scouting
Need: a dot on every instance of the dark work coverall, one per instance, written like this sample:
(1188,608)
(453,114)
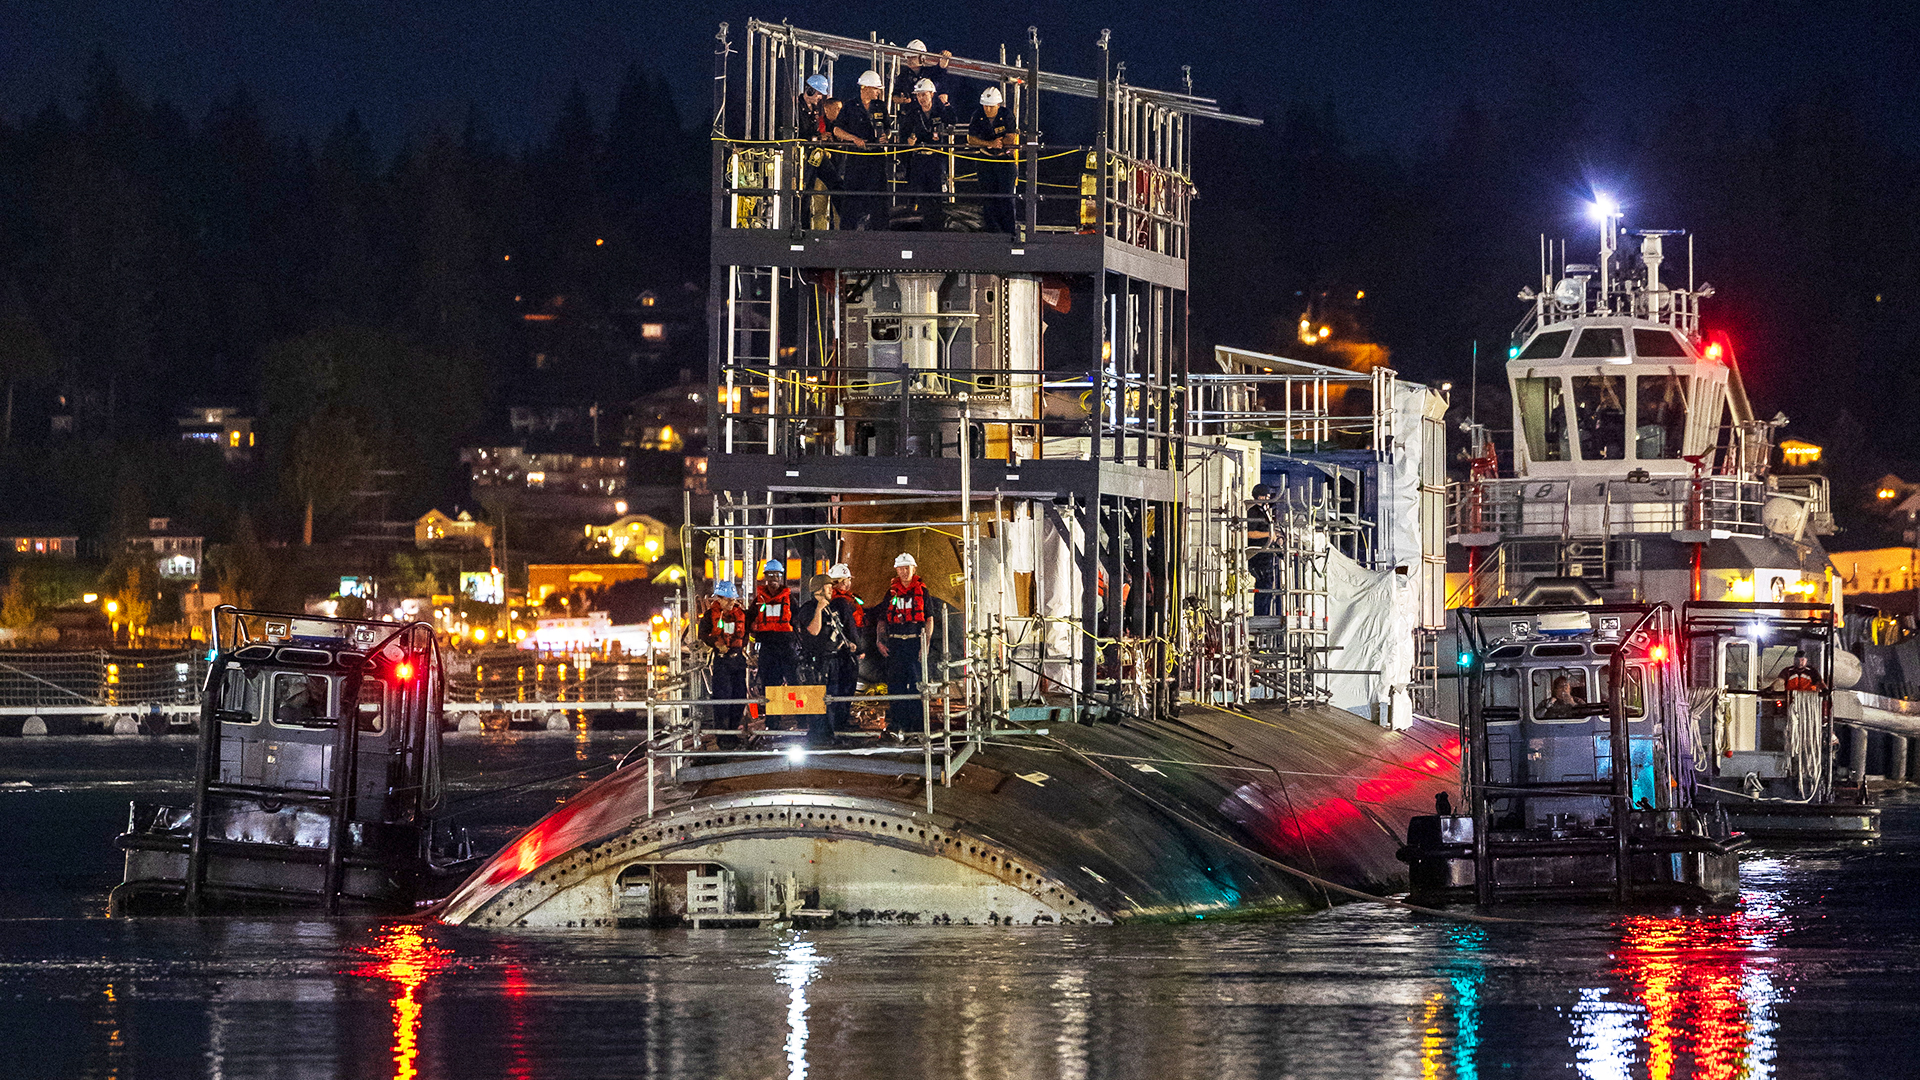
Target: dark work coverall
(863,169)
(926,168)
(830,658)
(996,174)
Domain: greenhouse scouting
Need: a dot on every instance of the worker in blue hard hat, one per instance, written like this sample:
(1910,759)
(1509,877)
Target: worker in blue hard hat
(817,113)
(771,624)
(723,630)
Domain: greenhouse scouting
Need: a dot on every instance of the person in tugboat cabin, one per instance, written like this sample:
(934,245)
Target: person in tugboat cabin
(903,641)
(772,626)
(1797,675)
(723,628)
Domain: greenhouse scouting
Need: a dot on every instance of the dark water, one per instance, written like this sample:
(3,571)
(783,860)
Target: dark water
(1816,974)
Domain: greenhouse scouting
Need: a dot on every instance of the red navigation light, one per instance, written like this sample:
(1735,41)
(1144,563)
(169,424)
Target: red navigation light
(1658,653)
(403,671)
(1715,351)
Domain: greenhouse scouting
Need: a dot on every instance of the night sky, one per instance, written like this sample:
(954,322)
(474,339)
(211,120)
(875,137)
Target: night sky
(1394,72)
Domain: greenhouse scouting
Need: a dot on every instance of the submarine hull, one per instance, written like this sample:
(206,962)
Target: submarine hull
(1209,815)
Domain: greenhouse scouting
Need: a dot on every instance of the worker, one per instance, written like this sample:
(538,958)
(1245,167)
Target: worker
(903,641)
(918,65)
(830,643)
(1262,560)
(993,138)
(1797,675)
(771,623)
(924,124)
(862,127)
(723,629)
(813,95)
(822,173)
(1560,702)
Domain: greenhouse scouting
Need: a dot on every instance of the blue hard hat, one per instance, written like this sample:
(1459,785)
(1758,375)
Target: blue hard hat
(725,590)
(774,566)
(819,84)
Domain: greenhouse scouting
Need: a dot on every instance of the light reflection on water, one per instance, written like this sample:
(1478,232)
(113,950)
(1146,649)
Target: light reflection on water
(797,964)
(1815,974)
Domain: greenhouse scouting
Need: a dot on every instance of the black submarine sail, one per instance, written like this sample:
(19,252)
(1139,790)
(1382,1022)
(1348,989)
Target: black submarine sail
(1149,693)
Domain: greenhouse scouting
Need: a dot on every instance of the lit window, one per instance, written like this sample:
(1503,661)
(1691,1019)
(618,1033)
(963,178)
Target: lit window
(653,331)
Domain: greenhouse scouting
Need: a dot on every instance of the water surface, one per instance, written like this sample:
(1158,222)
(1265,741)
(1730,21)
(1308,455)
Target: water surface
(1814,974)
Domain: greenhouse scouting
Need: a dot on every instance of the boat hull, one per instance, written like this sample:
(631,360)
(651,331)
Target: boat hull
(1208,816)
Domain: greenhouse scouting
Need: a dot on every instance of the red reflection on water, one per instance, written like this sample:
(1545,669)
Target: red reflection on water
(1695,976)
(404,957)
(515,984)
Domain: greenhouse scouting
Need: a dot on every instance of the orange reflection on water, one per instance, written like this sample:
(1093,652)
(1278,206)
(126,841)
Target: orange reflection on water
(1703,981)
(404,957)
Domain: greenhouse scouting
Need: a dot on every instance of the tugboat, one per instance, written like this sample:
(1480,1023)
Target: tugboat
(317,781)
(1578,767)
(1761,681)
(1641,475)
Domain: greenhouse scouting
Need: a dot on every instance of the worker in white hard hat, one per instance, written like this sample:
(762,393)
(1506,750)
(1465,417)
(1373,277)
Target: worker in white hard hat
(925,124)
(993,138)
(862,126)
(919,64)
(904,638)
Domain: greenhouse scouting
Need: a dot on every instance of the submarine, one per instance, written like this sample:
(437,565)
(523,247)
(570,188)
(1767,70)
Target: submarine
(1181,612)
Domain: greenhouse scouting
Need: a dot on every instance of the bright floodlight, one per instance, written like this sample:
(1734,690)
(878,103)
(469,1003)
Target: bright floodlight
(1603,207)
(796,755)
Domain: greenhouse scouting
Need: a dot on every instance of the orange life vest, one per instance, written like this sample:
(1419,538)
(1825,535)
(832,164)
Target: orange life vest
(773,612)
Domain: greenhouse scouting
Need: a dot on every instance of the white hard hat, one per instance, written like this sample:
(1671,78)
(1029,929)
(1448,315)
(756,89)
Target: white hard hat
(819,84)
(840,570)
(990,96)
(917,45)
(924,86)
(905,559)
(774,566)
(870,77)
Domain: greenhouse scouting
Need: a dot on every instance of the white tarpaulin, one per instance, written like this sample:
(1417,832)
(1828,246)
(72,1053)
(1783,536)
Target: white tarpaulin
(1400,481)
(1371,619)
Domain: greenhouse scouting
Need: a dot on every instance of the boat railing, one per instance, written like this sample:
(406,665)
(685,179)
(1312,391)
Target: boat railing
(676,744)
(1571,509)
(843,410)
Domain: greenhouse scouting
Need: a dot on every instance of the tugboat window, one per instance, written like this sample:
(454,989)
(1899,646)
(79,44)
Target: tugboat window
(1661,424)
(1558,693)
(1634,698)
(1601,416)
(240,696)
(1660,343)
(1543,415)
(372,707)
(300,700)
(1547,346)
(1600,343)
